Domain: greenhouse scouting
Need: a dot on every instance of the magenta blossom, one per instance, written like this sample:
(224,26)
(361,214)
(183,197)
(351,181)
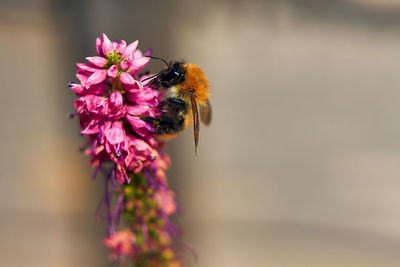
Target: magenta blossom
(121,243)
(166,200)
(110,94)
(114,59)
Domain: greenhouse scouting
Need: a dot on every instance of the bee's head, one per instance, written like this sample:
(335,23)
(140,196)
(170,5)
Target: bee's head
(173,74)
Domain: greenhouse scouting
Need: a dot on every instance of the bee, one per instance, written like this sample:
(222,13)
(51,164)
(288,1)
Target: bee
(188,93)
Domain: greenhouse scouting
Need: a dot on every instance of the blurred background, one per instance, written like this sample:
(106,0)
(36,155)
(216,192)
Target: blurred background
(300,166)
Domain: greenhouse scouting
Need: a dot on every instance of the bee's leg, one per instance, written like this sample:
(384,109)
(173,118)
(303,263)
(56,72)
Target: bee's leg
(165,125)
(172,105)
(154,84)
(171,120)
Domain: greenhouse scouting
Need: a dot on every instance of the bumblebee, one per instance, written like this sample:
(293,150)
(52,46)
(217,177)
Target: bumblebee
(187,95)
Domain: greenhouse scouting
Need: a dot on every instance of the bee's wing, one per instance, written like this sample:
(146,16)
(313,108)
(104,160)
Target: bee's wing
(196,124)
(205,113)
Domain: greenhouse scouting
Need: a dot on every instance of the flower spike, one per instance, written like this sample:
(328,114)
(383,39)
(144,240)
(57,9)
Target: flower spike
(111,100)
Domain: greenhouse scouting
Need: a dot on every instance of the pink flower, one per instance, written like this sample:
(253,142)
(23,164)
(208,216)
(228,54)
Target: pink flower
(166,201)
(114,135)
(121,243)
(113,60)
(82,88)
(140,154)
(138,125)
(138,62)
(145,97)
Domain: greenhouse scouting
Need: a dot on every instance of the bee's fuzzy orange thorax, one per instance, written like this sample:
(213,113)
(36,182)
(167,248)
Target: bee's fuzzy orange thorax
(197,80)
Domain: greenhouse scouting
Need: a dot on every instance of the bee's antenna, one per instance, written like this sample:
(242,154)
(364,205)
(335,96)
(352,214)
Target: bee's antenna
(159,58)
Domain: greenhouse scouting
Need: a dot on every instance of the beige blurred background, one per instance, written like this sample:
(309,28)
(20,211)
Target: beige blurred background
(300,166)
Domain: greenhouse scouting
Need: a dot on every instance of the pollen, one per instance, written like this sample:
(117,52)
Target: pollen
(113,58)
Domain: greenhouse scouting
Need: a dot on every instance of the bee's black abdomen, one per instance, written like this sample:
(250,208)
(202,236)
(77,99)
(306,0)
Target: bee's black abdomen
(176,105)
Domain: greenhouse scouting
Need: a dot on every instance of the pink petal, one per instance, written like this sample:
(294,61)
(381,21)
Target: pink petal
(136,122)
(86,67)
(97,61)
(148,52)
(131,89)
(117,113)
(124,64)
(149,97)
(97,150)
(138,63)
(115,44)
(138,125)
(108,146)
(121,47)
(130,49)
(104,108)
(149,128)
(77,88)
(127,78)
(91,102)
(129,159)
(112,72)
(97,89)
(79,104)
(115,134)
(139,144)
(116,99)
(97,77)
(82,78)
(107,46)
(137,110)
(137,54)
(98,47)
(121,179)
(92,128)
(150,140)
